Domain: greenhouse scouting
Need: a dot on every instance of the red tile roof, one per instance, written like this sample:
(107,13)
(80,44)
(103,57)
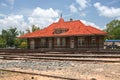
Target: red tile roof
(74,28)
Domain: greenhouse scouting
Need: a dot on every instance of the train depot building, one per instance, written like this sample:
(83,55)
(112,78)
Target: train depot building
(72,34)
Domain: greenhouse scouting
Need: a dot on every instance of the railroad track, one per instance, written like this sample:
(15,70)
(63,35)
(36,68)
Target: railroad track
(110,57)
(44,75)
(70,56)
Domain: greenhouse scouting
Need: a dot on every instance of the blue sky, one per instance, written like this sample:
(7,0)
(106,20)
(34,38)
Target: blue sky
(24,13)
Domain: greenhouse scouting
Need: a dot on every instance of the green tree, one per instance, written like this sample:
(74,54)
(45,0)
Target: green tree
(28,30)
(21,33)
(2,42)
(113,29)
(32,29)
(23,45)
(10,36)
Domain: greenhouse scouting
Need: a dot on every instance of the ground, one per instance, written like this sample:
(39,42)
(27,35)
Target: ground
(59,70)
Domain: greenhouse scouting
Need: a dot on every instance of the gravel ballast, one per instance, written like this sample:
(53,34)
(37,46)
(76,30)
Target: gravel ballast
(72,69)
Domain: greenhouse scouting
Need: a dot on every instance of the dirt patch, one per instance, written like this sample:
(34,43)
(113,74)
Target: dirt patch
(18,76)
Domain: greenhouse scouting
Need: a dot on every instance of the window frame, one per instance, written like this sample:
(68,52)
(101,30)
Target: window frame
(58,41)
(63,42)
(43,41)
(93,41)
(81,41)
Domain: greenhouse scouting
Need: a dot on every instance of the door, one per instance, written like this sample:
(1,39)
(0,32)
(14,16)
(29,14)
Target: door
(72,43)
(32,44)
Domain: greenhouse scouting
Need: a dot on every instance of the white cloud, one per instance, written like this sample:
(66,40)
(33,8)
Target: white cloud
(43,17)
(82,14)
(25,11)
(73,8)
(13,21)
(7,3)
(106,11)
(79,9)
(45,12)
(90,23)
(83,3)
(3,5)
(2,15)
(39,17)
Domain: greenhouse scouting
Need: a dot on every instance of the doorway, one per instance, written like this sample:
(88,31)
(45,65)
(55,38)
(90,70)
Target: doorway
(72,43)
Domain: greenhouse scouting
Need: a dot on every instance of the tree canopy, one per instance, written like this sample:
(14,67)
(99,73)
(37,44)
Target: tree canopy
(113,29)
(32,29)
(8,37)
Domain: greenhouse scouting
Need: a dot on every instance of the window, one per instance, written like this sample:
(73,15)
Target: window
(93,41)
(81,41)
(43,42)
(60,30)
(58,41)
(63,42)
(32,41)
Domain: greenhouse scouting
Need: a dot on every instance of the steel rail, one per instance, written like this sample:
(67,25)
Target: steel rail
(44,75)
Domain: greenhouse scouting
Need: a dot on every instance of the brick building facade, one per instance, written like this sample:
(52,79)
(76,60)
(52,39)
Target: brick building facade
(71,34)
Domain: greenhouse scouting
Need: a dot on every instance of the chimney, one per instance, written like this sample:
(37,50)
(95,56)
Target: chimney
(71,19)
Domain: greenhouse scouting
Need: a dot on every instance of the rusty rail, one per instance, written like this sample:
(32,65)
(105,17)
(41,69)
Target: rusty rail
(44,75)
(63,56)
